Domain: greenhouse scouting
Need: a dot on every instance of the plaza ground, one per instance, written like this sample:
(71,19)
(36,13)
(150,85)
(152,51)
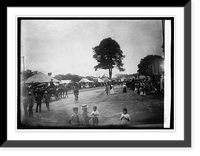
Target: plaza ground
(145,111)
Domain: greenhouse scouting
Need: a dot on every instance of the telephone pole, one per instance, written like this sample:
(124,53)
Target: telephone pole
(23,63)
(23,69)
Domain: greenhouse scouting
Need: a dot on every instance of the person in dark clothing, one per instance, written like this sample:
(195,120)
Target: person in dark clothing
(51,84)
(107,89)
(124,88)
(133,85)
(76,93)
(38,99)
(25,105)
(46,99)
(30,101)
(110,86)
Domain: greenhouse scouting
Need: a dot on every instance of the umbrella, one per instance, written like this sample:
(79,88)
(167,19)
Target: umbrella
(40,78)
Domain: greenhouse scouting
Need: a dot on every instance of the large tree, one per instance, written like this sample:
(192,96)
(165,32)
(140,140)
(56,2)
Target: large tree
(149,64)
(108,55)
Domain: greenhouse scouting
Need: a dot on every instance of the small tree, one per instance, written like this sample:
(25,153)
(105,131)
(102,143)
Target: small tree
(28,73)
(108,55)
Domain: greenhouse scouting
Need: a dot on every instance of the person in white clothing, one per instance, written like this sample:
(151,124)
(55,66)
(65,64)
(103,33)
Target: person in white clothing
(125,117)
(94,116)
(112,89)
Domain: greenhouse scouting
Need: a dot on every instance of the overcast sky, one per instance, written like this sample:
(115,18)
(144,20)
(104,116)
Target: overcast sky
(65,46)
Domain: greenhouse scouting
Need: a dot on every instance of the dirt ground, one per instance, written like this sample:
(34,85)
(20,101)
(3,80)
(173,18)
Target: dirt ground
(145,111)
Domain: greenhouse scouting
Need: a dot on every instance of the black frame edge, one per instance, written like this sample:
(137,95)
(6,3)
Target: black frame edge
(189,144)
(187,74)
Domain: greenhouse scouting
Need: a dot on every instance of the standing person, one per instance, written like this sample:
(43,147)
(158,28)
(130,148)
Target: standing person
(76,93)
(124,88)
(86,116)
(139,87)
(25,105)
(66,91)
(133,84)
(112,89)
(46,99)
(107,89)
(38,99)
(74,119)
(30,101)
(94,116)
(125,117)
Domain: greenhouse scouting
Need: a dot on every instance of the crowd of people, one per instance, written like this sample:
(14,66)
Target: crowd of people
(39,95)
(144,86)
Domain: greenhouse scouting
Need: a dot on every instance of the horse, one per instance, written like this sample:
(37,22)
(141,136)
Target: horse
(53,91)
(64,91)
(59,91)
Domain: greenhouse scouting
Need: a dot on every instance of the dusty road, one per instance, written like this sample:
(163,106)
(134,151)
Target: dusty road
(146,110)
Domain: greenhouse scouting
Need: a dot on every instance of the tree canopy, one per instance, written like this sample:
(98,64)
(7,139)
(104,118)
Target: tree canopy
(28,73)
(148,63)
(108,55)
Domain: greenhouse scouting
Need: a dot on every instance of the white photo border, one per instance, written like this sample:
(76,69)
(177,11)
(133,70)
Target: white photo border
(177,12)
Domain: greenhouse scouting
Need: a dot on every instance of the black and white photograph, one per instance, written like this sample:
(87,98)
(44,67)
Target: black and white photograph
(98,77)
(95,73)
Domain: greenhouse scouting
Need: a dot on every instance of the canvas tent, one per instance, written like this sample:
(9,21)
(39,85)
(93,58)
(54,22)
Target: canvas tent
(40,78)
(65,81)
(105,79)
(85,80)
(100,80)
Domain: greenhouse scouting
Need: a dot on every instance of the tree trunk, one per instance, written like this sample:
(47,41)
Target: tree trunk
(110,73)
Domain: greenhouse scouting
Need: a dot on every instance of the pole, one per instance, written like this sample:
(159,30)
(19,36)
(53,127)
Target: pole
(23,63)
(23,67)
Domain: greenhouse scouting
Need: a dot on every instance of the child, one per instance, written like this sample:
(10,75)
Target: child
(125,117)
(86,117)
(74,119)
(76,93)
(94,116)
